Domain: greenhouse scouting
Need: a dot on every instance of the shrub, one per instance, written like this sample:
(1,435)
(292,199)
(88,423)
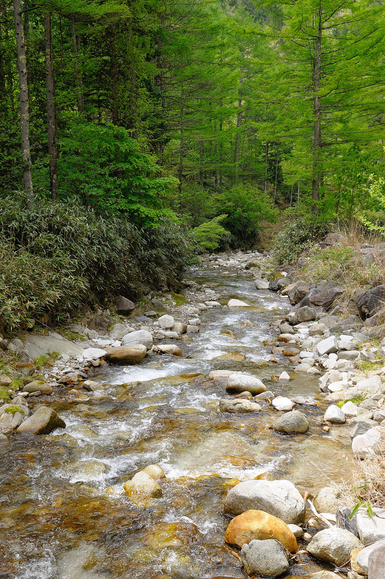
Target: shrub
(295,238)
(209,234)
(59,257)
(245,207)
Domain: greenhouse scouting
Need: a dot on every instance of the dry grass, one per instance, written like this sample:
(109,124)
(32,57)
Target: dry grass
(368,482)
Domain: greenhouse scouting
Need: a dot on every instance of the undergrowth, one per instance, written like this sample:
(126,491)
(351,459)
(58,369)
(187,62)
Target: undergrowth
(58,258)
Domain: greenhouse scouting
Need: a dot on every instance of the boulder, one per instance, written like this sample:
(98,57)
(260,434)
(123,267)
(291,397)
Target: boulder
(305,314)
(166,322)
(142,485)
(244,382)
(294,422)
(360,425)
(179,328)
(139,337)
(278,284)
(327,346)
(282,403)
(284,376)
(317,329)
(334,415)
(349,409)
(118,331)
(366,444)
(298,292)
(372,385)
(259,525)
(43,421)
(267,558)
(261,284)
(168,349)
(365,555)
(154,471)
(99,323)
(370,302)
(123,305)
(333,545)
(279,498)
(326,298)
(38,386)
(376,567)
(127,354)
(371,529)
(327,500)
(238,405)
(93,354)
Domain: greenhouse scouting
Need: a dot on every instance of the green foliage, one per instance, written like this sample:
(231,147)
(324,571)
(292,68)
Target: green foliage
(244,207)
(4,393)
(104,167)
(355,400)
(375,220)
(58,258)
(13,409)
(295,238)
(208,235)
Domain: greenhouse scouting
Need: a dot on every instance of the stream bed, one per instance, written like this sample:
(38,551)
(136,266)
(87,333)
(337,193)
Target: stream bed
(63,510)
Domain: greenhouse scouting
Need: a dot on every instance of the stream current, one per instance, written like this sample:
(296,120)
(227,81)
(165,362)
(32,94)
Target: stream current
(63,510)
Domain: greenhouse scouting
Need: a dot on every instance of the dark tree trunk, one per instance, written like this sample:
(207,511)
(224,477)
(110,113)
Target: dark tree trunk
(24,103)
(78,71)
(317,113)
(51,109)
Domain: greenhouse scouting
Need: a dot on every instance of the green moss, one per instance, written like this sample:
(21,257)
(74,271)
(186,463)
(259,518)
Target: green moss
(16,384)
(4,393)
(179,300)
(13,409)
(356,400)
(368,366)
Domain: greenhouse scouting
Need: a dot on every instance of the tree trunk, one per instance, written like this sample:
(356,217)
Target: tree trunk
(317,114)
(51,109)
(237,135)
(114,79)
(24,103)
(266,165)
(78,72)
(276,172)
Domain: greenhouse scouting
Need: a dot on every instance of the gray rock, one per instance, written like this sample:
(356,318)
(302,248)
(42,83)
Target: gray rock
(279,498)
(93,354)
(298,292)
(371,301)
(124,305)
(278,284)
(327,500)
(286,328)
(244,382)
(365,555)
(166,322)
(372,385)
(345,520)
(317,329)
(327,346)
(43,421)
(293,422)
(139,337)
(334,415)
(192,329)
(376,567)
(118,331)
(349,355)
(261,284)
(282,403)
(371,529)
(358,426)
(37,346)
(238,405)
(179,328)
(333,545)
(305,314)
(296,530)
(366,444)
(267,558)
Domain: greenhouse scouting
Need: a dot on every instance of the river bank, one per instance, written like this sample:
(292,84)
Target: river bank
(66,488)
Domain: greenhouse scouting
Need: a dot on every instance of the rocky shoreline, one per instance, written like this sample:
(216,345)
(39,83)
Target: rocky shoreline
(311,339)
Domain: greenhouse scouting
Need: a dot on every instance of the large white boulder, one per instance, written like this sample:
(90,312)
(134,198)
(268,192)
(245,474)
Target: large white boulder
(334,545)
(279,498)
(139,337)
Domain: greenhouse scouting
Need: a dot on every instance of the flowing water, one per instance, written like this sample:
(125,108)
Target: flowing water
(63,511)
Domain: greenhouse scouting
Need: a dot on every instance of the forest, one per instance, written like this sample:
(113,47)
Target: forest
(134,133)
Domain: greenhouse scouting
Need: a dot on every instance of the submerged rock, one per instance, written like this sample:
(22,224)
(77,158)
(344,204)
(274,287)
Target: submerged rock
(238,405)
(237,303)
(142,485)
(279,498)
(293,422)
(154,471)
(259,525)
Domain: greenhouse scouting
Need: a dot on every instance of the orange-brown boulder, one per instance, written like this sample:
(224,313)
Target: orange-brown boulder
(259,525)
